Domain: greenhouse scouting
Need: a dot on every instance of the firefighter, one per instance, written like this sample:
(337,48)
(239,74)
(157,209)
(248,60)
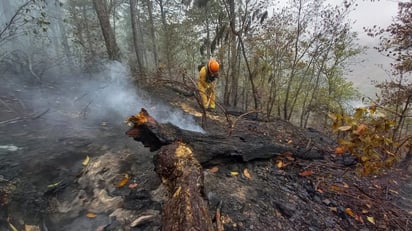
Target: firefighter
(207,83)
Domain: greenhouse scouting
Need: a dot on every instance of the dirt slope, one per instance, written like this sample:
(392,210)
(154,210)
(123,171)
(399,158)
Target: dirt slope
(45,181)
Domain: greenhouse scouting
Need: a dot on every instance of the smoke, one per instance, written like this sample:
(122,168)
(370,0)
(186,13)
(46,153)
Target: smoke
(107,96)
(123,97)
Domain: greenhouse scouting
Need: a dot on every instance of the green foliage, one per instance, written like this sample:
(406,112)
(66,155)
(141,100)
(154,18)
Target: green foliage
(367,136)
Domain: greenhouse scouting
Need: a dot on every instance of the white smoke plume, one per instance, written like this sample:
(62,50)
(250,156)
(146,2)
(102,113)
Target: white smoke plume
(116,95)
(107,95)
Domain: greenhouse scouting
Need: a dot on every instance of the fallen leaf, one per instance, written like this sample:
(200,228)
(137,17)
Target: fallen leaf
(31,228)
(355,216)
(359,218)
(234,173)
(54,184)
(306,173)
(334,209)
(345,185)
(360,129)
(86,161)
(133,185)
(280,164)
(247,174)
(332,116)
(345,128)
(340,150)
(370,219)
(393,191)
(349,212)
(91,215)
(290,141)
(214,169)
(364,211)
(335,188)
(124,181)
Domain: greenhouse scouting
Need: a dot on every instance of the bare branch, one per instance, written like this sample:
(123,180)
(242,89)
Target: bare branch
(14,18)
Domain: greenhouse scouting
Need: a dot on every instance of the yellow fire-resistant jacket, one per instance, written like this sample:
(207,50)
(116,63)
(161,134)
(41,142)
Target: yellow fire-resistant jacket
(206,89)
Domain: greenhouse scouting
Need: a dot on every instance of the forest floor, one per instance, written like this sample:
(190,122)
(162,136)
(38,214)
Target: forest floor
(61,172)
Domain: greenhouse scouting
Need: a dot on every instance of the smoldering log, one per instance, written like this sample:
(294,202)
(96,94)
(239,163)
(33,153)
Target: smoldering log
(180,168)
(182,175)
(209,149)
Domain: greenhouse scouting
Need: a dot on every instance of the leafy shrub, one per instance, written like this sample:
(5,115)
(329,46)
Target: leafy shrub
(367,135)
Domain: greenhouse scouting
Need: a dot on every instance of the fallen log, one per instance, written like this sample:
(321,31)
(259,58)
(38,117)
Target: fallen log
(182,175)
(180,169)
(209,148)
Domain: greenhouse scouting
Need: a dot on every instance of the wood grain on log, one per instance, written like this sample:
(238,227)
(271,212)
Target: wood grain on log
(182,175)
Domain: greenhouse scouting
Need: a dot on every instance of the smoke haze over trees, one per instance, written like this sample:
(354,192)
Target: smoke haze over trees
(283,60)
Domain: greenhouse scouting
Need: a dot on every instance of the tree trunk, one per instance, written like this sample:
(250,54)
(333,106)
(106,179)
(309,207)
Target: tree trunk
(233,57)
(133,16)
(152,32)
(166,38)
(286,104)
(56,11)
(113,50)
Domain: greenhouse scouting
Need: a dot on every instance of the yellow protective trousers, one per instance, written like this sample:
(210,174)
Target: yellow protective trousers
(207,90)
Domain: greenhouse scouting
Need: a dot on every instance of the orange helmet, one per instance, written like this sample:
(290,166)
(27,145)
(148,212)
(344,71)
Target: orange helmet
(213,66)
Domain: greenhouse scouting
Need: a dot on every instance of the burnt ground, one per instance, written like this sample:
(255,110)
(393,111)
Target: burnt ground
(46,184)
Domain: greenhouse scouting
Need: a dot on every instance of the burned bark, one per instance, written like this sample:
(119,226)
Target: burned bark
(211,149)
(180,169)
(182,175)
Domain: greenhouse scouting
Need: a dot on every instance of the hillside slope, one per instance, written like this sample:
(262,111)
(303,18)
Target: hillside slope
(66,172)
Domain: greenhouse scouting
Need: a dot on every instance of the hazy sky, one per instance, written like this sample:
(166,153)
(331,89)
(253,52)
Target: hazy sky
(372,65)
(367,14)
